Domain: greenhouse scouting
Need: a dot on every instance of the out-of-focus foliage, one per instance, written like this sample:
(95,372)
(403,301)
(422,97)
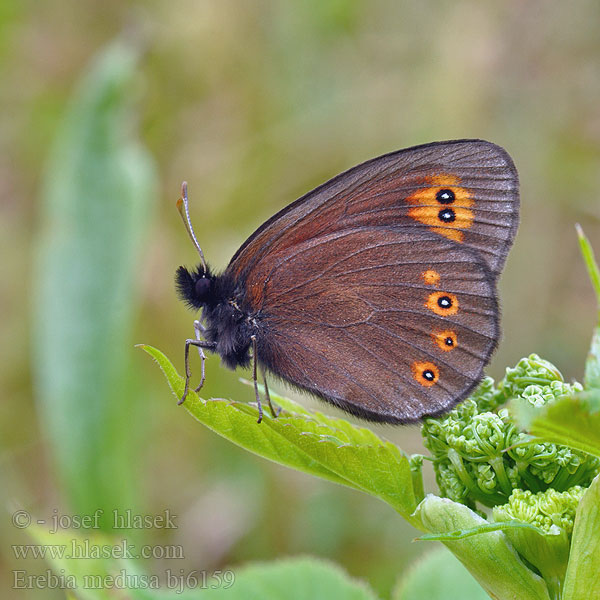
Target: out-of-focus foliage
(98,193)
(254,104)
(451,582)
(297,578)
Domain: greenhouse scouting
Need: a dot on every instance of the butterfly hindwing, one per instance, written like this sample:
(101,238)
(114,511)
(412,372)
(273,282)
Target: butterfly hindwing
(363,318)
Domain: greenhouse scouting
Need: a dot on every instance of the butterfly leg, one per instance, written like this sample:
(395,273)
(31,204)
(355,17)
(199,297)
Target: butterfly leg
(188,374)
(200,329)
(255,378)
(275,410)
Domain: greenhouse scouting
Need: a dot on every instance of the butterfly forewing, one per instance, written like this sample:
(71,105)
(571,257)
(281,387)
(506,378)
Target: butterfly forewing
(376,291)
(465,190)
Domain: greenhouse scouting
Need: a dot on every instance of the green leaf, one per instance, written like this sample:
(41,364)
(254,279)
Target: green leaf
(489,557)
(591,264)
(303,578)
(592,365)
(570,421)
(583,572)
(97,194)
(79,573)
(591,377)
(311,442)
(291,579)
(438,576)
(549,553)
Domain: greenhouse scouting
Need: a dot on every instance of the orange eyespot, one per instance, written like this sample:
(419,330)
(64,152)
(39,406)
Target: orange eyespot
(443,206)
(446,340)
(442,303)
(431,277)
(425,373)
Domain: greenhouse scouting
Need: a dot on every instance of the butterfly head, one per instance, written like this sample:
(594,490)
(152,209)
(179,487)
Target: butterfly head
(196,287)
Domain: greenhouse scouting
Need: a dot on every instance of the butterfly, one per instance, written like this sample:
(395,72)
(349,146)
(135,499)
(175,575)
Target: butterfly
(376,291)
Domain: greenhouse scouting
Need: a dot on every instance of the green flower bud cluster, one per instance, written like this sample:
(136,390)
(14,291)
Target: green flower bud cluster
(544,509)
(532,370)
(480,455)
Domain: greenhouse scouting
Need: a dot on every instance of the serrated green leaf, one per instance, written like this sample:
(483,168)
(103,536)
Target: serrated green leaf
(438,576)
(570,421)
(489,557)
(311,442)
(583,572)
(97,193)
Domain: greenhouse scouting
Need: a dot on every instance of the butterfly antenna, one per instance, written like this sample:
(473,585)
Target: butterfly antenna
(184,211)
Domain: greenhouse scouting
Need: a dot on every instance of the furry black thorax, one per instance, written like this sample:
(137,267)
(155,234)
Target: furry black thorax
(228,325)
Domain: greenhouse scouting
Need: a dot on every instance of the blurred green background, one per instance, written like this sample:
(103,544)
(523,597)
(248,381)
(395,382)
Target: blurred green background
(254,103)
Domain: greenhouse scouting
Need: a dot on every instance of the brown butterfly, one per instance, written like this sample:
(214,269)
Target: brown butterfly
(377,290)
